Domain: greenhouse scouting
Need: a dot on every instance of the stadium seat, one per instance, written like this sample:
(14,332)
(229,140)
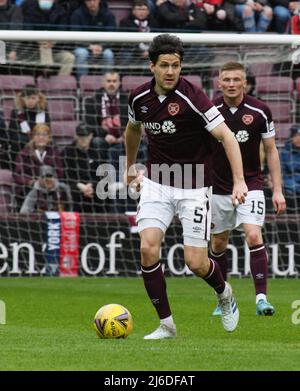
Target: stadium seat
(261,69)
(63,109)
(88,84)
(195,79)
(10,84)
(58,85)
(282,110)
(282,132)
(277,92)
(63,132)
(274,85)
(120,8)
(215,91)
(7,104)
(6,191)
(130,82)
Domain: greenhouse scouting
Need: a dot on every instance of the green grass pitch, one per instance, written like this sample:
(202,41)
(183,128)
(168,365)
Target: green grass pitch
(49,327)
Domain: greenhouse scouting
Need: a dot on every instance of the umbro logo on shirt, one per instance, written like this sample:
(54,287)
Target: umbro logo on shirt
(144,109)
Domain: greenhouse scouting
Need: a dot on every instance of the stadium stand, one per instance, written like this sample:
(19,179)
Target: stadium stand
(282,133)
(58,85)
(7,104)
(88,84)
(277,92)
(63,109)
(129,82)
(6,191)
(10,84)
(63,132)
(195,79)
(120,8)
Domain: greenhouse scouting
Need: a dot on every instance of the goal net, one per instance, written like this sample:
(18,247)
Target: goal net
(58,82)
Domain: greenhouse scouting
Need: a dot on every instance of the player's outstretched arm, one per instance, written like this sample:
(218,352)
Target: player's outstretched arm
(133,135)
(273,162)
(232,149)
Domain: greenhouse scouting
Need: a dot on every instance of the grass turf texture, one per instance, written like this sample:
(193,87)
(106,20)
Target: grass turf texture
(49,327)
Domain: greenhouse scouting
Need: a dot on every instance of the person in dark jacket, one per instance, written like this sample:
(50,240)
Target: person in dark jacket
(37,152)
(30,109)
(48,15)
(81,160)
(48,194)
(290,166)
(174,15)
(5,162)
(92,16)
(11,18)
(106,113)
(140,20)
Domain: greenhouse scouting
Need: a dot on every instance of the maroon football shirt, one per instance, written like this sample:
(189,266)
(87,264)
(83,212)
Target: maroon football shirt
(177,125)
(251,121)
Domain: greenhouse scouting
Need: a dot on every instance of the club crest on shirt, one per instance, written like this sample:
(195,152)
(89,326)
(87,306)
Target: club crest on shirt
(247,119)
(173,108)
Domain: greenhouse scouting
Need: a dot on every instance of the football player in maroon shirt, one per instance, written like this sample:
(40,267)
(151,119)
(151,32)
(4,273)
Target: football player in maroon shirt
(251,121)
(179,120)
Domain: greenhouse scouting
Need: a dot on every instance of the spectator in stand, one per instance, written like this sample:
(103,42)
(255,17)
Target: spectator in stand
(283,10)
(11,18)
(69,6)
(81,160)
(93,15)
(140,20)
(152,4)
(48,15)
(37,152)
(290,165)
(30,109)
(105,115)
(180,15)
(48,194)
(219,14)
(5,162)
(255,15)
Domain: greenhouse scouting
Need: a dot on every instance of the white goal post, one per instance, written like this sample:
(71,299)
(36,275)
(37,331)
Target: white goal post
(129,37)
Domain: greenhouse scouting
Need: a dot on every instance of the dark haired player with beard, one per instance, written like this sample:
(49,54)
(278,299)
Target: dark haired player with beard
(251,121)
(178,119)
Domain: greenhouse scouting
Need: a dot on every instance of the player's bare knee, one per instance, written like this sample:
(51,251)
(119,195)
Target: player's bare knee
(219,243)
(253,238)
(198,267)
(149,254)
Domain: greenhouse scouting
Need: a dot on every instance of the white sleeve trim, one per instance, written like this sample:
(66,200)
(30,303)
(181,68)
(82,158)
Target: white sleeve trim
(268,135)
(210,126)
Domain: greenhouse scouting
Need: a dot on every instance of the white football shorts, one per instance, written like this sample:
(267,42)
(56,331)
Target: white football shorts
(160,203)
(226,217)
